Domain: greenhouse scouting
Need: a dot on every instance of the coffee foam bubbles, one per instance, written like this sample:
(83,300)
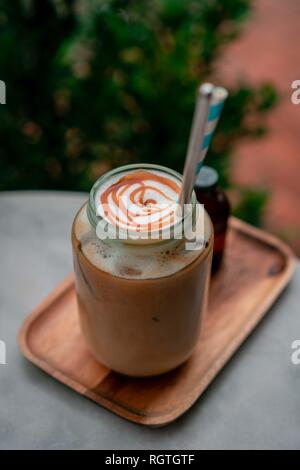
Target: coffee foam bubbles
(134,261)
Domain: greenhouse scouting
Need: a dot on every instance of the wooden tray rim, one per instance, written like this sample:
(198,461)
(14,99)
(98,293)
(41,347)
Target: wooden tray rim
(232,347)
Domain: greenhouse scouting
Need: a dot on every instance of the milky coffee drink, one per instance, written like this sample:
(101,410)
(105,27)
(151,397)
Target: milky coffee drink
(141,299)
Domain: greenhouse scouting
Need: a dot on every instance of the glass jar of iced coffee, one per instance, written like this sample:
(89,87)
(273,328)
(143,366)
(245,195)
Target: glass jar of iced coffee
(141,298)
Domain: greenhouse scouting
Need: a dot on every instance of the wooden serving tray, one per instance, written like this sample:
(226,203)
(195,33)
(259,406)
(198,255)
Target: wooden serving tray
(256,268)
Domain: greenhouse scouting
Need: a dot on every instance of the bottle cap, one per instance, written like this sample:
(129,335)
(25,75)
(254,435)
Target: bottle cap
(207,178)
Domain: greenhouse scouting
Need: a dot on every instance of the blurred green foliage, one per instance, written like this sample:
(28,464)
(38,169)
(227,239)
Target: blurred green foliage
(92,84)
(250,205)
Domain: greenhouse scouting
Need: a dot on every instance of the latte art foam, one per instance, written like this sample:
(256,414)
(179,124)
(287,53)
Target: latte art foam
(148,261)
(146,191)
(139,200)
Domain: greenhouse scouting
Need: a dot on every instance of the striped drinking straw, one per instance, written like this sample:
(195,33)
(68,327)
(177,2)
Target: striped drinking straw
(209,104)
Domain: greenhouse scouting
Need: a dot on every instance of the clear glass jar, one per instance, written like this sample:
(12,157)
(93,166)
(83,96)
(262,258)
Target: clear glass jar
(140,304)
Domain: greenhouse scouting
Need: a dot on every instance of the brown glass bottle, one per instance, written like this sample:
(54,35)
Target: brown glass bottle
(217,205)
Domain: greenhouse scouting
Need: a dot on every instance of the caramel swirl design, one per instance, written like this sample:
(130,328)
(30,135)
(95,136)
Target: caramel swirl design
(140,201)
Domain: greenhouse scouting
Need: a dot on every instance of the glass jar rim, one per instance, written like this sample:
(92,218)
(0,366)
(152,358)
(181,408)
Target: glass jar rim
(95,218)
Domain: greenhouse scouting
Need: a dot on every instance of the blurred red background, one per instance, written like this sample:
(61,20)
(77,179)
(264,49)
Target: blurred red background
(267,50)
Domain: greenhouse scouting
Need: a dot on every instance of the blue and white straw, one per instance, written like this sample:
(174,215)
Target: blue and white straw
(209,104)
(219,96)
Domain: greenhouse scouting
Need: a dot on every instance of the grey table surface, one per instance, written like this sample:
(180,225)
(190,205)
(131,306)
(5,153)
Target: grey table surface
(254,402)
